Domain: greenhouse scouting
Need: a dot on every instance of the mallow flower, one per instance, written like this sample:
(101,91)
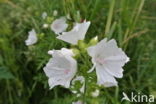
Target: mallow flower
(59,25)
(61,68)
(108,60)
(32,38)
(77,33)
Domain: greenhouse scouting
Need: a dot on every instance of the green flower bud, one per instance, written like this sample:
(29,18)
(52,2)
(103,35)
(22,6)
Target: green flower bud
(82,45)
(94,101)
(37,13)
(41,35)
(49,20)
(93,41)
(76,52)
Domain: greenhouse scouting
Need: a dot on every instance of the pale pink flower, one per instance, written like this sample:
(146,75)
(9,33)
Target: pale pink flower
(108,60)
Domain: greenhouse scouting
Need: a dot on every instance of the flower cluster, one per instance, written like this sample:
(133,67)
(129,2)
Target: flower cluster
(62,68)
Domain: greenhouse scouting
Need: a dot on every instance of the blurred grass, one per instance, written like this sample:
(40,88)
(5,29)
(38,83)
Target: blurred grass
(131,22)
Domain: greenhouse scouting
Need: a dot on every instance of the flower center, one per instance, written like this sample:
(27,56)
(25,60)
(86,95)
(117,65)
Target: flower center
(100,61)
(66,71)
(57,26)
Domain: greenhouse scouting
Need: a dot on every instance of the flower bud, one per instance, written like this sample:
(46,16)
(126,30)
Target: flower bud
(41,35)
(75,51)
(95,93)
(81,44)
(93,41)
(45,26)
(55,13)
(49,20)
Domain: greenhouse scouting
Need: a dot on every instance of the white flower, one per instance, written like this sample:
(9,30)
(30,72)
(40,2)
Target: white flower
(82,80)
(95,93)
(55,13)
(78,102)
(63,51)
(61,68)
(77,33)
(44,15)
(108,60)
(32,38)
(59,25)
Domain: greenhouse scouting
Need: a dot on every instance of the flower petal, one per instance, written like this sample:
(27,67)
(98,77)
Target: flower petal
(32,38)
(60,69)
(77,33)
(63,51)
(104,78)
(114,70)
(59,25)
(91,50)
(54,82)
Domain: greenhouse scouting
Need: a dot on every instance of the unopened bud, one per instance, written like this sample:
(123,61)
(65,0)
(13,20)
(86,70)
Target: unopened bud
(93,41)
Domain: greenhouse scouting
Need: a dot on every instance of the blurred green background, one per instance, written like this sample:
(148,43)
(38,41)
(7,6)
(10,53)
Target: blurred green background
(131,22)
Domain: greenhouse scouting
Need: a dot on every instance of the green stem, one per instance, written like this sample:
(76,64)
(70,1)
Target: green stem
(135,17)
(134,21)
(9,92)
(94,10)
(110,15)
(138,13)
(55,93)
(85,90)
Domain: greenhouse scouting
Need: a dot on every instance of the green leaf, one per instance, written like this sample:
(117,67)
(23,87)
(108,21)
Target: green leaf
(5,73)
